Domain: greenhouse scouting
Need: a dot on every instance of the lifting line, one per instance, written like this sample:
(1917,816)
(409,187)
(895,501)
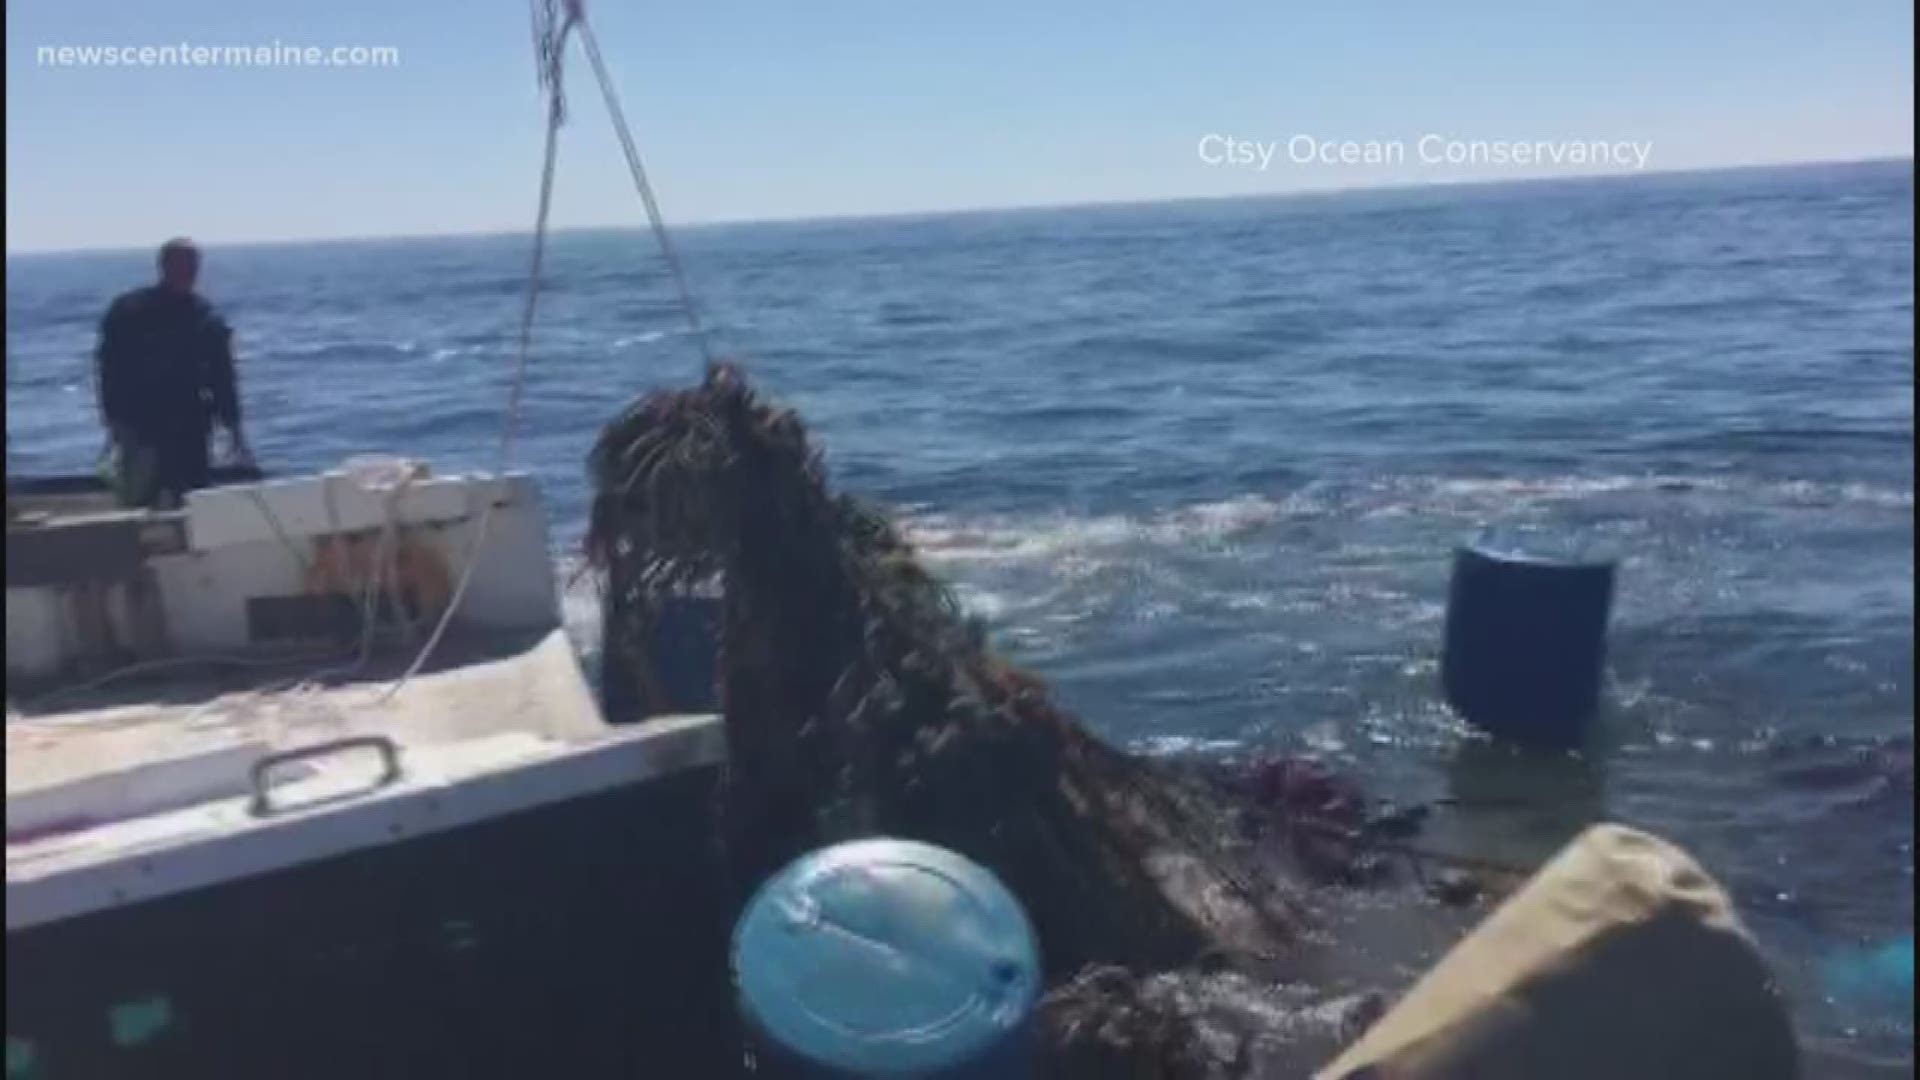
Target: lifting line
(554,21)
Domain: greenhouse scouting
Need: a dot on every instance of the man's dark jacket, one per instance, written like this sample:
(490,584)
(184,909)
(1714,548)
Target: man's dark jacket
(166,374)
(166,365)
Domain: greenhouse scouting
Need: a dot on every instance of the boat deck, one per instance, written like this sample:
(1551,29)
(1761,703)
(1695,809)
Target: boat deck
(477,687)
(110,789)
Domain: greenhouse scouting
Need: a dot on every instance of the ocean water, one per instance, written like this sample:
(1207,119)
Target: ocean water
(1202,466)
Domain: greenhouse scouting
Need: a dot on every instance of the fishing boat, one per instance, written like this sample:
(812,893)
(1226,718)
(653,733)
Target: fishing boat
(305,778)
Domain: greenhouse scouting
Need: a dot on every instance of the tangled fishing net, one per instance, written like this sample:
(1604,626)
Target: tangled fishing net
(860,700)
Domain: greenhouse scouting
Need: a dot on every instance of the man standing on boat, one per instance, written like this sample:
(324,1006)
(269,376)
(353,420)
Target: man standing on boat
(165,375)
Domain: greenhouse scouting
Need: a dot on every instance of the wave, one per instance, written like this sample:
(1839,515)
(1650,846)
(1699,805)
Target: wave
(947,538)
(1791,440)
(943,538)
(1185,746)
(457,347)
(1352,558)
(374,351)
(646,337)
(1752,492)
(903,317)
(455,352)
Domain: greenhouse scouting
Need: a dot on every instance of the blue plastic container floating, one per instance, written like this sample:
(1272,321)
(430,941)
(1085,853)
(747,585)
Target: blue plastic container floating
(683,649)
(886,958)
(686,651)
(1526,638)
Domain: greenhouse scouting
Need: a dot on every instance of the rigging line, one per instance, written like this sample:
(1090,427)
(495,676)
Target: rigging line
(556,115)
(550,39)
(549,50)
(538,260)
(654,217)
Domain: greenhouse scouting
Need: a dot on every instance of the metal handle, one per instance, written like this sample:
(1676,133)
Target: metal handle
(389,752)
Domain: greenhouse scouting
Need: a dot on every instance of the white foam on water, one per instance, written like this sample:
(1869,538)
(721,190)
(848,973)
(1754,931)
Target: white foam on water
(1249,601)
(1172,745)
(1066,542)
(450,352)
(1443,492)
(1562,487)
(1862,494)
(982,603)
(943,538)
(1059,572)
(646,338)
(1216,521)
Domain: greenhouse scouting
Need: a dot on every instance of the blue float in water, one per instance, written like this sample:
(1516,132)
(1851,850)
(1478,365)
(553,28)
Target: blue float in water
(1526,641)
(883,958)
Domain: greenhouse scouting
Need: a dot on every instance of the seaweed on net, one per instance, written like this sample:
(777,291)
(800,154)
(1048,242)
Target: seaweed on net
(860,700)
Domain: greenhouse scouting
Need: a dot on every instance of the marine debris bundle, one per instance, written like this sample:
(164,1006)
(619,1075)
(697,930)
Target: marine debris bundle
(859,699)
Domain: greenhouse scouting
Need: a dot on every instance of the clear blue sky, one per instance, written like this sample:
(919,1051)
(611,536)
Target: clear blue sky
(772,108)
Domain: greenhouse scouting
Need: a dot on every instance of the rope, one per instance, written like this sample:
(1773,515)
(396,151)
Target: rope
(1414,853)
(553,22)
(1255,886)
(639,172)
(550,48)
(300,562)
(538,260)
(168,663)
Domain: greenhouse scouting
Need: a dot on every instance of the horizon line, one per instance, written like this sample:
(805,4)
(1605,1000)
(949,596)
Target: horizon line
(1390,186)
